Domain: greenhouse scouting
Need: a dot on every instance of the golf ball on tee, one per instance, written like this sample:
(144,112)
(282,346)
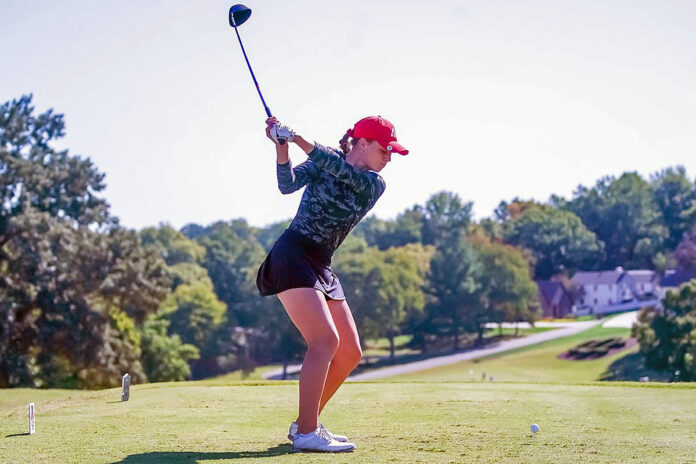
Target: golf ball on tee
(534,428)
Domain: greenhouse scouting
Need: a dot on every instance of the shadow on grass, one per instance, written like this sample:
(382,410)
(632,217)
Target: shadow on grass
(631,368)
(18,435)
(188,457)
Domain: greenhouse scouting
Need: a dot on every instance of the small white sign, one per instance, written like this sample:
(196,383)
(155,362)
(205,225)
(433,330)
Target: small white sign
(125,387)
(32,422)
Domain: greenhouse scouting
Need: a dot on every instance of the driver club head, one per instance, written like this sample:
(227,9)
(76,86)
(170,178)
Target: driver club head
(239,14)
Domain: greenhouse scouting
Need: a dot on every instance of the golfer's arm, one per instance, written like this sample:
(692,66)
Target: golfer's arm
(282,153)
(291,179)
(303,144)
(325,159)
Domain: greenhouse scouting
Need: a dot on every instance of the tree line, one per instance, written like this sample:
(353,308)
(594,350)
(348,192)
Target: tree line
(84,300)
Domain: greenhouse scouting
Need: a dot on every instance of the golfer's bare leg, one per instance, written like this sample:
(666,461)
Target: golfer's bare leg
(310,313)
(347,356)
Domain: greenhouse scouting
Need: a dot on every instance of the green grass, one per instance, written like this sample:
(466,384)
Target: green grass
(427,422)
(255,374)
(535,363)
(522,331)
(380,347)
(436,416)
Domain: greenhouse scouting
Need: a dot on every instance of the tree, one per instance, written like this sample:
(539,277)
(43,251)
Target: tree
(668,339)
(232,258)
(509,293)
(73,284)
(194,313)
(269,234)
(445,218)
(454,288)
(685,254)
(174,247)
(558,239)
(675,196)
(384,288)
(623,214)
(407,228)
(165,358)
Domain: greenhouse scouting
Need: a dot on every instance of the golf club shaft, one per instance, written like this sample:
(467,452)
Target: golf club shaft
(265,107)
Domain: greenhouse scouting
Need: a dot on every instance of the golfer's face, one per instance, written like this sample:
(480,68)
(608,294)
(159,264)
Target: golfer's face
(376,156)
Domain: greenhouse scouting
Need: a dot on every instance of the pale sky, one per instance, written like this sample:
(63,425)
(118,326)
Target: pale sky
(495,99)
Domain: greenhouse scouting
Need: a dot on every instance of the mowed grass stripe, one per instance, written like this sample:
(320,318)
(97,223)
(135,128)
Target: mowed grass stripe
(390,422)
(534,363)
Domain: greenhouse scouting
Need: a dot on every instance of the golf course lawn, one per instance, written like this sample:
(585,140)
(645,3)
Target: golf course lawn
(435,416)
(535,363)
(390,422)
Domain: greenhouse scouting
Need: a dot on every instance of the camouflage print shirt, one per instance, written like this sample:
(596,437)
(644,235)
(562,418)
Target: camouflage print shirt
(337,196)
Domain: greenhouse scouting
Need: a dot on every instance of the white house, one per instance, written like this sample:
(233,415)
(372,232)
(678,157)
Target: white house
(618,290)
(645,283)
(602,289)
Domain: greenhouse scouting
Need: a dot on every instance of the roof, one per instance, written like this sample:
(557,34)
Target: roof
(600,277)
(676,277)
(552,291)
(643,276)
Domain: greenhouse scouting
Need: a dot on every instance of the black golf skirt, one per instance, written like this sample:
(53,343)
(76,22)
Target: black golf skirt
(296,261)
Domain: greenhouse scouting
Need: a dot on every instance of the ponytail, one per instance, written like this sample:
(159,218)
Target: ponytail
(345,143)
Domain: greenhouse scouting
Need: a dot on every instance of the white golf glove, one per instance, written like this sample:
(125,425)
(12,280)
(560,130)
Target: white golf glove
(282,134)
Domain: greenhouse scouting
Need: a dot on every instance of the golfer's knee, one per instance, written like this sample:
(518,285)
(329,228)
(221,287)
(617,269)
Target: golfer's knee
(349,354)
(326,344)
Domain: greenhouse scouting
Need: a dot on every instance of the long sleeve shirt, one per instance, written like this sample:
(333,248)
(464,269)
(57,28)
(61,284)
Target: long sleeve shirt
(337,197)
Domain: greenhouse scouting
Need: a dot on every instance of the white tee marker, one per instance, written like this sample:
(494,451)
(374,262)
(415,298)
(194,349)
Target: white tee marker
(125,387)
(32,422)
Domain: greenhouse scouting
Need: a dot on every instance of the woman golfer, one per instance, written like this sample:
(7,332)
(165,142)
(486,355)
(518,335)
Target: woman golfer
(341,188)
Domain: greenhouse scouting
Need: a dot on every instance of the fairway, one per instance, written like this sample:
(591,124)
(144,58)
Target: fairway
(534,363)
(390,422)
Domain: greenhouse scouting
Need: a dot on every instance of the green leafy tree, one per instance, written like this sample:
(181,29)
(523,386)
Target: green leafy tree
(383,288)
(232,259)
(454,290)
(675,196)
(558,240)
(174,247)
(407,228)
(667,338)
(268,235)
(70,278)
(165,358)
(622,212)
(194,313)
(445,216)
(509,293)
(403,280)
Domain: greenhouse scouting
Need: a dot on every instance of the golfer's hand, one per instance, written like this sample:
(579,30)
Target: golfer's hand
(270,122)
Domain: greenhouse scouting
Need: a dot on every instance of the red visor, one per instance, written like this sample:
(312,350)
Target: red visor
(379,129)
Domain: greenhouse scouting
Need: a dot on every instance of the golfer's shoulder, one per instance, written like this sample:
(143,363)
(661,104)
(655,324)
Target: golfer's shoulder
(377,181)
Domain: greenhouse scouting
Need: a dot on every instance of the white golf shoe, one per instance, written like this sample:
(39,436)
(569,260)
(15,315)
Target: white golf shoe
(320,440)
(293,431)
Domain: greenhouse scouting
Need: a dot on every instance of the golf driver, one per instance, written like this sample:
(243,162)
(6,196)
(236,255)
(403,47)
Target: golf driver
(239,14)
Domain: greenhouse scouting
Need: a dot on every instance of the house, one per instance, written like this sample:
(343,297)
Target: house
(602,289)
(645,283)
(673,278)
(555,300)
